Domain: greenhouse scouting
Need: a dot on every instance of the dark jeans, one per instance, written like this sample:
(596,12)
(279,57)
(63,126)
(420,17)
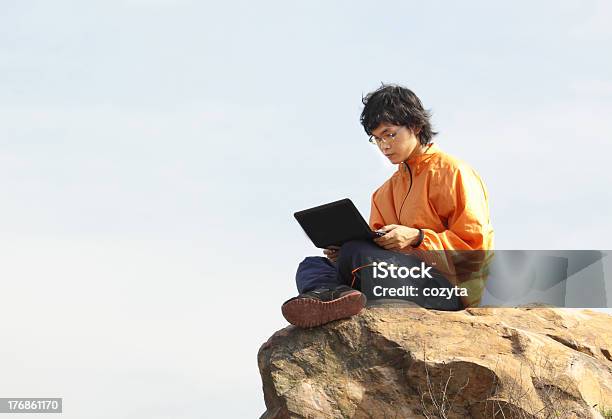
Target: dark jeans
(318,271)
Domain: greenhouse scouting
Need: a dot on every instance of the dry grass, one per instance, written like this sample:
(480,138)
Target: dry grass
(436,400)
(606,412)
(548,395)
(540,390)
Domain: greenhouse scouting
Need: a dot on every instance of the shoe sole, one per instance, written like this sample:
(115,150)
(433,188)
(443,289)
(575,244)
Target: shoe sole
(308,312)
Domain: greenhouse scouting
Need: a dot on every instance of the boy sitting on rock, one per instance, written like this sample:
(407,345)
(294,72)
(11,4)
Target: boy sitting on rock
(433,202)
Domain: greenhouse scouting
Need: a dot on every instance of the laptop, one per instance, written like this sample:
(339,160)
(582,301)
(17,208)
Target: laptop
(334,224)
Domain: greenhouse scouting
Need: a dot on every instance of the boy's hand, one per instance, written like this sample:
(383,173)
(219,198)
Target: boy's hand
(397,237)
(332,253)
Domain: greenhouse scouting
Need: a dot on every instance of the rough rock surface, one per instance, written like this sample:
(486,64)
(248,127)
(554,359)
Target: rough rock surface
(399,362)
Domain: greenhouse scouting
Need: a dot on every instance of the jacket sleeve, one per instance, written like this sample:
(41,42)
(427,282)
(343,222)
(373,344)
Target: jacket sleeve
(376,218)
(461,201)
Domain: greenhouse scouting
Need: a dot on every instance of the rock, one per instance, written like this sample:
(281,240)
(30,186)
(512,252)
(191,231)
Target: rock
(398,362)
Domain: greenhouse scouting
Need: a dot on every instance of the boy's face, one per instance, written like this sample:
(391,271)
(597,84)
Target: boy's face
(396,142)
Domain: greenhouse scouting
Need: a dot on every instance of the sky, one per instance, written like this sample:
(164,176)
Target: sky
(152,154)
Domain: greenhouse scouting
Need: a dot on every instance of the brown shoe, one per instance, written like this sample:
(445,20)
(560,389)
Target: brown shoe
(323,305)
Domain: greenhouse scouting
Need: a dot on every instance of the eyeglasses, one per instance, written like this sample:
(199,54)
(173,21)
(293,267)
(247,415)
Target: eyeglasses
(386,138)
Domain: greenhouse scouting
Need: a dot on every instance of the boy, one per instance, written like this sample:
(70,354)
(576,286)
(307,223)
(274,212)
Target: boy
(433,202)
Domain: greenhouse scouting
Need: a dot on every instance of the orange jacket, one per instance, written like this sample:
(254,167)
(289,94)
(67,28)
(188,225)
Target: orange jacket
(448,200)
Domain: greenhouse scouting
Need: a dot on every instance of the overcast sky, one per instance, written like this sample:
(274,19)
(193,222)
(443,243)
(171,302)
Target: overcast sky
(152,154)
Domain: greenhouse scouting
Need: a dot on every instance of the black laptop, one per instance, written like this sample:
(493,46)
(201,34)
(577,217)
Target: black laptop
(334,224)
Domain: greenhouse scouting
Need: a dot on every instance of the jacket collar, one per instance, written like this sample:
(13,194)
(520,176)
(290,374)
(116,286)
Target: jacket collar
(418,162)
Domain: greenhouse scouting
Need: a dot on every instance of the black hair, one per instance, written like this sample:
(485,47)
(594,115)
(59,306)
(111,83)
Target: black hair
(397,105)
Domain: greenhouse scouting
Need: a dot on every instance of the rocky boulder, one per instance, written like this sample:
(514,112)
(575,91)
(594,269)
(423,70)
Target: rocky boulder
(408,362)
